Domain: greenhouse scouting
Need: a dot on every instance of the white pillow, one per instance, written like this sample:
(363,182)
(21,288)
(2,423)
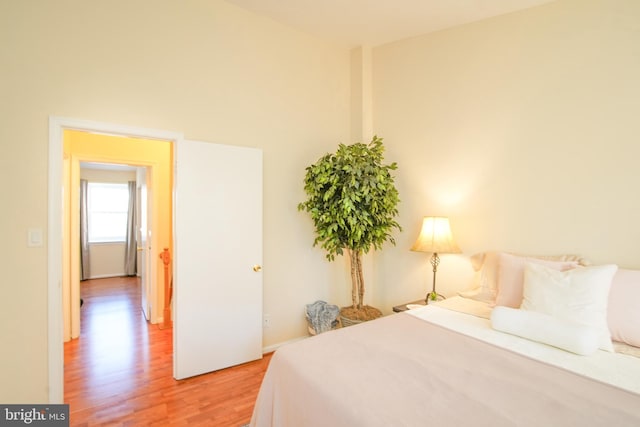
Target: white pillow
(579,295)
(540,327)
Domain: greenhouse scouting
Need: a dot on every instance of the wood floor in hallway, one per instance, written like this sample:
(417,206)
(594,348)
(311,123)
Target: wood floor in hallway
(119,372)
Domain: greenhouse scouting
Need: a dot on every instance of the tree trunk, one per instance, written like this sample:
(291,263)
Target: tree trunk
(360,281)
(353,259)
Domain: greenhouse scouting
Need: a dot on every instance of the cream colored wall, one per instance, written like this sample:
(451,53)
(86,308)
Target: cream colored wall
(523,129)
(106,260)
(520,128)
(204,68)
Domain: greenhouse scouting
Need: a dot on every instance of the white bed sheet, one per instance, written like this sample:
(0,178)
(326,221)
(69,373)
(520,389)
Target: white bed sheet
(616,369)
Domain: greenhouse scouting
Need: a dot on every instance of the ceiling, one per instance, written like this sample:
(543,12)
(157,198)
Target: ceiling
(374,22)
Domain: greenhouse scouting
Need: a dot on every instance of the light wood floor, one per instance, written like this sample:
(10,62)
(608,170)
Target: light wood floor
(119,372)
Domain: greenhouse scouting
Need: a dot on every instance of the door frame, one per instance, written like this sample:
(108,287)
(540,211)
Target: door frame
(55,219)
(72,248)
(142,250)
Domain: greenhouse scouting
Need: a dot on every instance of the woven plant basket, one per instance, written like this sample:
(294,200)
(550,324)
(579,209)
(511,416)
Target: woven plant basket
(363,314)
(349,322)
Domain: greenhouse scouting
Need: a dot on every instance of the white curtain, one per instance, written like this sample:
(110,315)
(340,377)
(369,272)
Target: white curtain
(130,250)
(85,272)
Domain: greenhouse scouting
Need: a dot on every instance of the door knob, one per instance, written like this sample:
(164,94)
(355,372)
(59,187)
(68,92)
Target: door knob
(257,268)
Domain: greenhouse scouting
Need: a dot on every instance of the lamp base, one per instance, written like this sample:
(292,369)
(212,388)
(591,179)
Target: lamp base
(433,296)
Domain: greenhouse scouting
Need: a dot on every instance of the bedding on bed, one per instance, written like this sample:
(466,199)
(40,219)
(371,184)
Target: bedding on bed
(500,280)
(618,369)
(438,366)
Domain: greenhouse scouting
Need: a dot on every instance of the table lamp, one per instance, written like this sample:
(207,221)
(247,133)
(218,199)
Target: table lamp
(435,237)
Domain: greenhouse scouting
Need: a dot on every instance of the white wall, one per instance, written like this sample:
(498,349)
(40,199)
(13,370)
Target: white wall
(201,67)
(523,129)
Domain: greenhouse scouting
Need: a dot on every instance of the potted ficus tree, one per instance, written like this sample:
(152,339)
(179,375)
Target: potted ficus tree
(352,200)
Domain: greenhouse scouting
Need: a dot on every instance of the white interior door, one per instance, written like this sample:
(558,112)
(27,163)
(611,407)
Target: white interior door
(142,238)
(218,253)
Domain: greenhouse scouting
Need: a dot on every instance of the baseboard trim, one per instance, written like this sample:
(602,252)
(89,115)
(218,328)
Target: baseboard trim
(107,276)
(274,347)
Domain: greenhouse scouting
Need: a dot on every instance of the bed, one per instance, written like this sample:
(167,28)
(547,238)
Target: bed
(444,364)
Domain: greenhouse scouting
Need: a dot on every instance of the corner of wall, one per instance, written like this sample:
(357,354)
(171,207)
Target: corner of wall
(361,94)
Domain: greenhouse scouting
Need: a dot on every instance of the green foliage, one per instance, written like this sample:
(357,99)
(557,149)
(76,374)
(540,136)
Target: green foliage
(352,199)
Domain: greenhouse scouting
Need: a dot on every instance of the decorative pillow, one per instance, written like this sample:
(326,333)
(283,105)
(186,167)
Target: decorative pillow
(484,285)
(541,327)
(579,295)
(511,276)
(477,260)
(623,313)
(485,281)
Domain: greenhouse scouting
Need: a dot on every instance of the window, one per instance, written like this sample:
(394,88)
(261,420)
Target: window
(107,206)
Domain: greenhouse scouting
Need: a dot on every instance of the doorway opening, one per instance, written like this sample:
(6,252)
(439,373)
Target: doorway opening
(118,144)
(150,168)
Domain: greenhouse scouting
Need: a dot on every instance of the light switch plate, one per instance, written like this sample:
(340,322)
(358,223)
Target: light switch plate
(34,237)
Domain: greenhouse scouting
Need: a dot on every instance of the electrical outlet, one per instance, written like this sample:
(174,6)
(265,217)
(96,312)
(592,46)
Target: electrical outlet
(266,321)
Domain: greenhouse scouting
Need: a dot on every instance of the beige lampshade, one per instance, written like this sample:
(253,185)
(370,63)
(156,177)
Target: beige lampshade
(436,237)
